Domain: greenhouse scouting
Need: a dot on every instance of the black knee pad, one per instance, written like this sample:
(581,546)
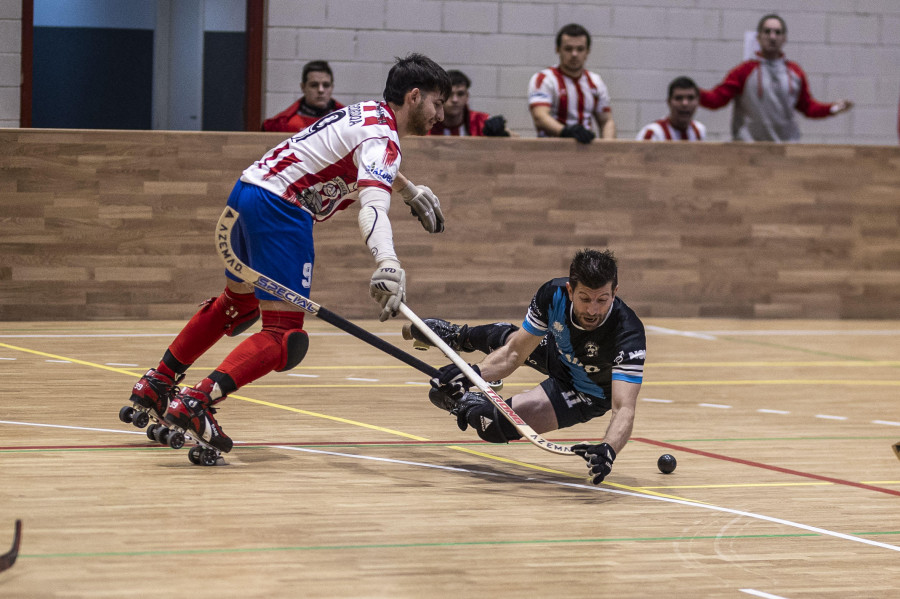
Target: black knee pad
(488,422)
(294,346)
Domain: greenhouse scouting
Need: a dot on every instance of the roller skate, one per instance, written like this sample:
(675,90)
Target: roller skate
(451,334)
(150,398)
(190,416)
(454,335)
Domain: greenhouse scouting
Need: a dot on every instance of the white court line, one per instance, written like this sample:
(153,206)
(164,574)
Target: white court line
(308,376)
(59,361)
(352,378)
(7,359)
(76,428)
(666,331)
(714,405)
(117,364)
(756,593)
(650,399)
(602,489)
(887,422)
(421,384)
(827,417)
(767,411)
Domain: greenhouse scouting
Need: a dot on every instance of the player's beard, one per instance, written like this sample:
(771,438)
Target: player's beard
(418,124)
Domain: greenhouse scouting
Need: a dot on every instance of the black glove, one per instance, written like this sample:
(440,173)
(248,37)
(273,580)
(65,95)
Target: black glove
(600,459)
(495,127)
(452,381)
(579,132)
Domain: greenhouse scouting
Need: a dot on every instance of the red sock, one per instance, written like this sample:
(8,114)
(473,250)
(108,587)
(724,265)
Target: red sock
(262,352)
(209,324)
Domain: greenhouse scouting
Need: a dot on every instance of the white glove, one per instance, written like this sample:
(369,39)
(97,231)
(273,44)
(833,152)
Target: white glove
(388,287)
(425,206)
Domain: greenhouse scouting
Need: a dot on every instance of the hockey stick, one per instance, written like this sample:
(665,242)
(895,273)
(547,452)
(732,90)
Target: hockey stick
(9,558)
(236,267)
(505,409)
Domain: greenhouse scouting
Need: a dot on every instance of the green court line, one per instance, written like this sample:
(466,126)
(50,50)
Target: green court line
(421,545)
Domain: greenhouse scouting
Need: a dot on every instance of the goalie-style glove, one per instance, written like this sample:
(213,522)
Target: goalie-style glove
(388,287)
(495,127)
(579,132)
(425,206)
(600,459)
(452,382)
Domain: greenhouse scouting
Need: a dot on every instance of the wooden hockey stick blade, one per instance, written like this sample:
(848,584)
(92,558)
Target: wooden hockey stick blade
(504,408)
(896,448)
(235,266)
(9,558)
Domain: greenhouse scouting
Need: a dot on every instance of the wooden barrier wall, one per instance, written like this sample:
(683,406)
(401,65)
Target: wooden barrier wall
(119,224)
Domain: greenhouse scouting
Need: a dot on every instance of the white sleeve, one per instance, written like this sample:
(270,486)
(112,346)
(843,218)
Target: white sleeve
(374,225)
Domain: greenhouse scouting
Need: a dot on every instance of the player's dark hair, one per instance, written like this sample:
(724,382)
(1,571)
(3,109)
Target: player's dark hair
(316,66)
(573,30)
(593,269)
(459,78)
(415,71)
(759,26)
(682,83)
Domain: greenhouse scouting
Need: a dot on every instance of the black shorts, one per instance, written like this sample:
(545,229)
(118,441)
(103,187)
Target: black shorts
(571,406)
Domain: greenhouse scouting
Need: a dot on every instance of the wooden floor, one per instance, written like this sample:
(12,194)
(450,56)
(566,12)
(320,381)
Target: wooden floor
(347,482)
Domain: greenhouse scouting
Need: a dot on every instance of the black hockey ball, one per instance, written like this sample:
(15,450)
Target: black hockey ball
(666,463)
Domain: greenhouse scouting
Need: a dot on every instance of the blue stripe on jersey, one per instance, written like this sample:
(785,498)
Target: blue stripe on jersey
(628,379)
(557,314)
(526,324)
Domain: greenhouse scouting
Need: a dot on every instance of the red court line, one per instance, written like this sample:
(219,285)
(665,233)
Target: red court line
(718,456)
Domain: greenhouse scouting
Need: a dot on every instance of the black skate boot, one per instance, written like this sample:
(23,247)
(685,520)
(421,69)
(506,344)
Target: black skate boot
(453,335)
(191,411)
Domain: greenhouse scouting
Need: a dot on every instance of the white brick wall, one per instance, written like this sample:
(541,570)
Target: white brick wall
(10,61)
(849,48)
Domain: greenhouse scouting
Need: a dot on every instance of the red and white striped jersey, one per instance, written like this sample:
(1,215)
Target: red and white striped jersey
(663,130)
(571,101)
(322,168)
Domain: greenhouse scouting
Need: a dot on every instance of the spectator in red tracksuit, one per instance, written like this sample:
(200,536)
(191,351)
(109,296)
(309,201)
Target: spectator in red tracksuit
(460,120)
(316,102)
(767,90)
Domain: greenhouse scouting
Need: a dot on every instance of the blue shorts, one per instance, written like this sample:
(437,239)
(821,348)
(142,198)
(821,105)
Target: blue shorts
(273,237)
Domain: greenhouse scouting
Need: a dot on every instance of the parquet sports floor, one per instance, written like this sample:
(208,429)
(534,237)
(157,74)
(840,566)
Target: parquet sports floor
(347,482)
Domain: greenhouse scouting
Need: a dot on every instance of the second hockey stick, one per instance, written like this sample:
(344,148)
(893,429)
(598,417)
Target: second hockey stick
(235,266)
(9,558)
(504,408)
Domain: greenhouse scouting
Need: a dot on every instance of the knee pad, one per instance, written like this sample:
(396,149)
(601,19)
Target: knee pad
(287,329)
(241,310)
(487,421)
(294,346)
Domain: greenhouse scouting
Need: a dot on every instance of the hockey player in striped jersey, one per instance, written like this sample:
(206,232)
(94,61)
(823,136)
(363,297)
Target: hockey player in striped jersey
(565,99)
(580,334)
(350,155)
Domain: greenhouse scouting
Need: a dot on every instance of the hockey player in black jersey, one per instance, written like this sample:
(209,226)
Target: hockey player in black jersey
(587,341)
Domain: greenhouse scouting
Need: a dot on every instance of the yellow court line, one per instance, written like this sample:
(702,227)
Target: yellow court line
(741,485)
(830,364)
(353,423)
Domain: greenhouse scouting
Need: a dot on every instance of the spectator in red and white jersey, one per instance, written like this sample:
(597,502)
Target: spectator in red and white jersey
(317,86)
(684,97)
(459,119)
(564,99)
(767,90)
